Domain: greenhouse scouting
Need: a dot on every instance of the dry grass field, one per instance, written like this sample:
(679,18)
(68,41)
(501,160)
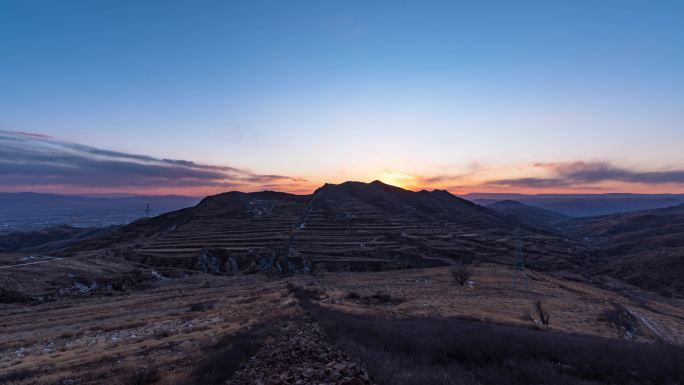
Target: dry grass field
(572,307)
(164,331)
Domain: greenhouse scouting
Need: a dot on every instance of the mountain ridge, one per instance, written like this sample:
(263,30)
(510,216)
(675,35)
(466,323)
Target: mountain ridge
(351,225)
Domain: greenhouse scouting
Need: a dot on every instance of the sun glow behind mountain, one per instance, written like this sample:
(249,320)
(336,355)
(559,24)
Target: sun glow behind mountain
(397,179)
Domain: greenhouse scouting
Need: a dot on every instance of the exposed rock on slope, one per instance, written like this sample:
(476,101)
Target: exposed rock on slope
(302,354)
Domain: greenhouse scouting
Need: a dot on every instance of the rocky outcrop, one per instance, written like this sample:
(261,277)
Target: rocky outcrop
(302,354)
(208,263)
(220,261)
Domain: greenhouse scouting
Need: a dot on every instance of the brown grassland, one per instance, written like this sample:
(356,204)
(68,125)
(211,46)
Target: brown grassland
(162,332)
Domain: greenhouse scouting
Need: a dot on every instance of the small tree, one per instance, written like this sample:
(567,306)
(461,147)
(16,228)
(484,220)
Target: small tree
(543,316)
(461,273)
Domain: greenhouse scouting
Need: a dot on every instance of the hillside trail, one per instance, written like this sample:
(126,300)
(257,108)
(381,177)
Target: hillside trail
(54,259)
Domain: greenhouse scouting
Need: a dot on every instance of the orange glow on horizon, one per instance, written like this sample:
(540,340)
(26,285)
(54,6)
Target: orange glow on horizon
(475,182)
(404,181)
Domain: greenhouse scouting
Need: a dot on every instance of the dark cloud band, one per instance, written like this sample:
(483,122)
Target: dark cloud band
(575,174)
(36,160)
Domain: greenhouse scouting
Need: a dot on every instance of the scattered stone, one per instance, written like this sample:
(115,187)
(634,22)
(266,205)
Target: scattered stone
(301,354)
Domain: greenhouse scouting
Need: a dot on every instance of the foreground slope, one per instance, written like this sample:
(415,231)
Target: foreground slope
(184,330)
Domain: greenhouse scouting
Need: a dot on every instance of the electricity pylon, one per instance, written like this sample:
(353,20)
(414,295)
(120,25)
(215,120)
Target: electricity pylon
(519,274)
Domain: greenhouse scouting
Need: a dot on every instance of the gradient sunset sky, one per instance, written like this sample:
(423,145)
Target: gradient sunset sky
(199,97)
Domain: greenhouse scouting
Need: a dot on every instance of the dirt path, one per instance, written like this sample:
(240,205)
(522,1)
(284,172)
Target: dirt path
(31,263)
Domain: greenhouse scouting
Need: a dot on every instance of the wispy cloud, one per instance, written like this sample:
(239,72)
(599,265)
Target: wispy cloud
(35,160)
(574,174)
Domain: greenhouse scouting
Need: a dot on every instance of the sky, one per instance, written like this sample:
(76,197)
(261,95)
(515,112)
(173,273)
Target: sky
(196,98)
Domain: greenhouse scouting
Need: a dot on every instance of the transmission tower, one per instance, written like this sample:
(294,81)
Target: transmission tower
(147,211)
(519,274)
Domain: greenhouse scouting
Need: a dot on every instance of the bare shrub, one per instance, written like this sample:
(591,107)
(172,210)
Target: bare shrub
(161,334)
(543,315)
(461,273)
(378,298)
(201,306)
(381,297)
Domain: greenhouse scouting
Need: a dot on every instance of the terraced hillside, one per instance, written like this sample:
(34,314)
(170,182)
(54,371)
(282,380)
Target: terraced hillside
(350,226)
(644,248)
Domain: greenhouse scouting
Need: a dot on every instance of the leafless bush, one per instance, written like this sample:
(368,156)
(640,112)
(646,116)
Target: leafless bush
(543,315)
(461,273)
(201,306)
(162,334)
(378,298)
(381,297)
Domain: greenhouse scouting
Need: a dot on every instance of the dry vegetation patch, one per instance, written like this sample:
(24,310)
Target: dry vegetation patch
(567,306)
(435,351)
(158,335)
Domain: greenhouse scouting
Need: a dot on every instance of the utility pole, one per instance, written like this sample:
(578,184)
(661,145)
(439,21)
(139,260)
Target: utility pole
(519,274)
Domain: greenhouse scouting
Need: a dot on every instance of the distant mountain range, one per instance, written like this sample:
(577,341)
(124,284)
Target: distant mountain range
(35,211)
(48,239)
(528,214)
(584,205)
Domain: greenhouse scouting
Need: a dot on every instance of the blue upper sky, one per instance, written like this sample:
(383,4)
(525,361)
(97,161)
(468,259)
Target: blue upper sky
(416,92)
